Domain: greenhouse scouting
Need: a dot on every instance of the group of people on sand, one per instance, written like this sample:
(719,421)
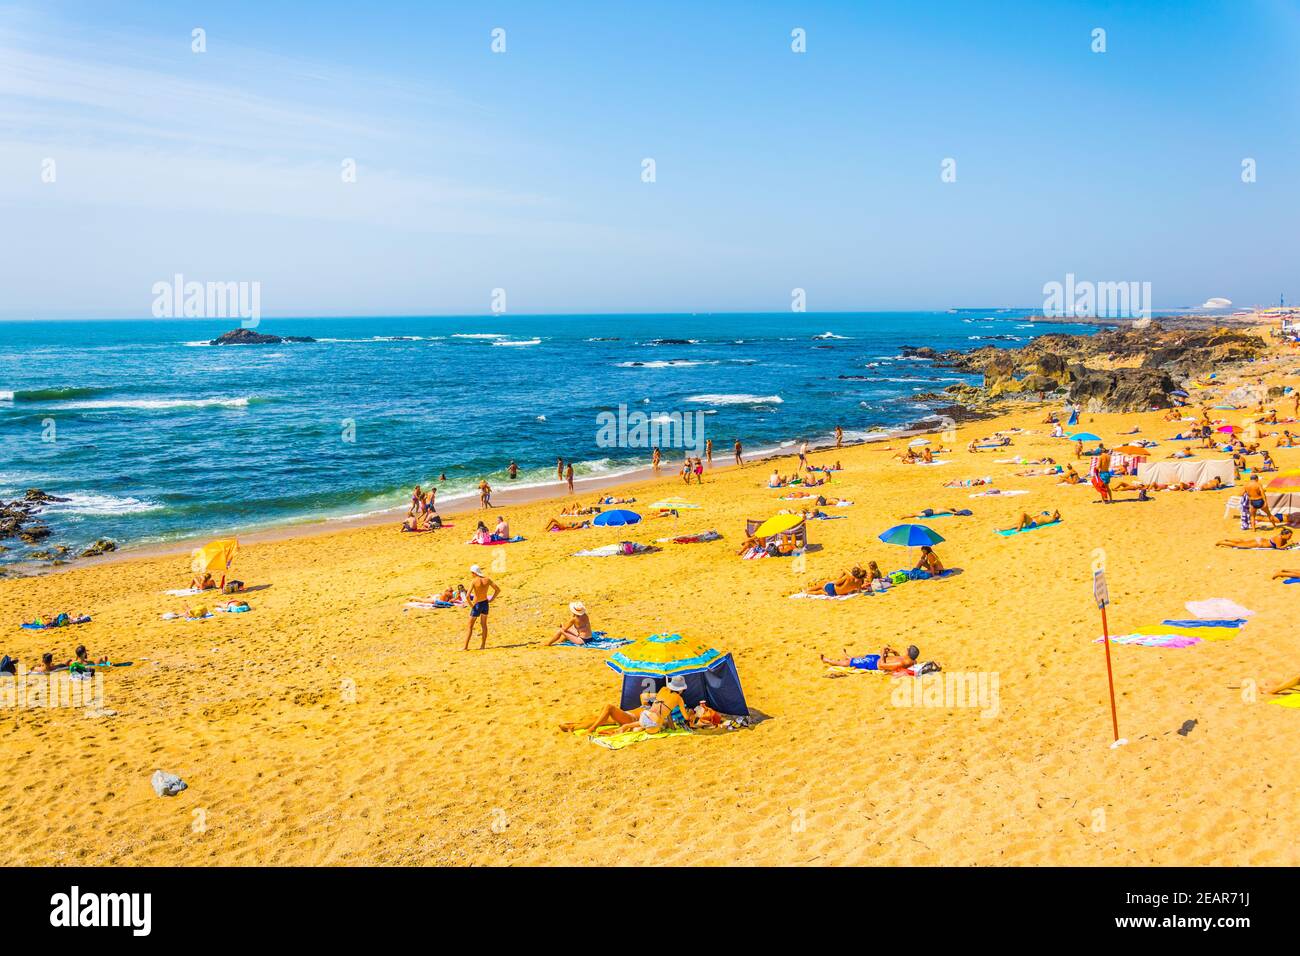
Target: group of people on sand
(422,515)
(911,456)
(500,533)
(659,710)
(79,665)
(850,582)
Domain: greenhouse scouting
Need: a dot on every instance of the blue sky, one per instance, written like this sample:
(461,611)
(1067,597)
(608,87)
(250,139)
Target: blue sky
(522,170)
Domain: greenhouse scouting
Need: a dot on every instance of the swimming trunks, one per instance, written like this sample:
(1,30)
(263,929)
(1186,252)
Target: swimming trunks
(1257,503)
(868,662)
(479,609)
(1104,477)
(829,588)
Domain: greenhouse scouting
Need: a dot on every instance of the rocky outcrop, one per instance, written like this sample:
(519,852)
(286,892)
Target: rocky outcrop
(242,336)
(1117,370)
(102,546)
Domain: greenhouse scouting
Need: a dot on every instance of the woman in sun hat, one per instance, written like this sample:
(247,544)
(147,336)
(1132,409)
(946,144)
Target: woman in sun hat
(577,630)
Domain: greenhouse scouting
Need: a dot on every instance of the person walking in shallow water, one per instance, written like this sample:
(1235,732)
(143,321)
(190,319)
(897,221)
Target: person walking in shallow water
(654,460)
(568,476)
(839,437)
(740,454)
(484,494)
(559,469)
(708,452)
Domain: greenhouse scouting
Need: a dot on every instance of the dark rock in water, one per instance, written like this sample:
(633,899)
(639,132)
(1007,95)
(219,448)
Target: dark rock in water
(670,342)
(923,351)
(35,494)
(242,336)
(855,378)
(33,533)
(102,546)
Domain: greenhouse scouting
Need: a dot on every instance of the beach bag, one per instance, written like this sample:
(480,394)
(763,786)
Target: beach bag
(233,587)
(919,574)
(879,586)
(898,577)
(627,547)
(929,667)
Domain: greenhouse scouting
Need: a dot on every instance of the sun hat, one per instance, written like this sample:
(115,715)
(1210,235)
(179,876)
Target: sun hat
(475,570)
(677,683)
(577,607)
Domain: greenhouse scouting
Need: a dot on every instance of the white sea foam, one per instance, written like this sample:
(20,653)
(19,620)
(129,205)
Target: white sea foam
(830,335)
(663,363)
(154,403)
(712,399)
(89,503)
(479,335)
(519,342)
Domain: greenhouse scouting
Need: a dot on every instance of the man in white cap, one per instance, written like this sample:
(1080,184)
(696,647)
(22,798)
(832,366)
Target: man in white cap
(479,586)
(578,630)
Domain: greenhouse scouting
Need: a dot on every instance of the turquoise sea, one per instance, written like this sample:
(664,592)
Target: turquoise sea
(156,435)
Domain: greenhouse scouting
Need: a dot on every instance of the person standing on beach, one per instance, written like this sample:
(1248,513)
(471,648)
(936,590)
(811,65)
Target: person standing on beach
(559,469)
(1104,475)
(803,457)
(839,436)
(654,460)
(484,494)
(708,451)
(568,476)
(740,454)
(699,472)
(479,599)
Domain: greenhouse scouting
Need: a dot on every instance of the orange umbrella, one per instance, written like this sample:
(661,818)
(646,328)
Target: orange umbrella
(1132,450)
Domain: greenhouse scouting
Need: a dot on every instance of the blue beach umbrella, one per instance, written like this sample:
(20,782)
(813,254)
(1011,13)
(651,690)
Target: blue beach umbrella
(618,516)
(911,535)
(1085,436)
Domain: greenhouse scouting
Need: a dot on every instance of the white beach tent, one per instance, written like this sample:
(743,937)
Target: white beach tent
(1195,473)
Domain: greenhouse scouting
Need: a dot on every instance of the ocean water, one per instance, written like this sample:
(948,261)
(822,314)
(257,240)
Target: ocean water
(156,435)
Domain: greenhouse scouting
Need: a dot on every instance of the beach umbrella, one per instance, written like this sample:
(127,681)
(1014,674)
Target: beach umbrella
(213,557)
(1227,429)
(777,524)
(1290,479)
(1085,436)
(911,535)
(617,517)
(675,504)
(709,673)
(1132,450)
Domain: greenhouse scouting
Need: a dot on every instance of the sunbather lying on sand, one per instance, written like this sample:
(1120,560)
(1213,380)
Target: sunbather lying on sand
(47,665)
(1071,477)
(611,500)
(1286,574)
(1293,684)
(887,660)
(1037,521)
(966,482)
(944,513)
(1277,541)
(652,716)
(578,628)
(555,524)
(202,582)
(847,583)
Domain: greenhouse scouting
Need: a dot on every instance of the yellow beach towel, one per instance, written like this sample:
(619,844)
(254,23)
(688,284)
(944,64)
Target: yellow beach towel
(1287,700)
(619,741)
(1204,633)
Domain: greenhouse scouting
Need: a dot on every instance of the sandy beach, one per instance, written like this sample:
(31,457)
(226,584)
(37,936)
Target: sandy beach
(330,726)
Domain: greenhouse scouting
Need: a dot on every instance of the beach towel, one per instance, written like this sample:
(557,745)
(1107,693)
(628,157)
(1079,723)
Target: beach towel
(1200,633)
(187,592)
(613,550)
(429,605)
(1217,609)
(1152,640)
(1010,531)
(992,493)
(619,741)
(599,641)
(827,597)
(62,620)
(1208,622)
(515,540)
(937,461)
(1291,581)
(173,616)
(1287,700)
(700,538)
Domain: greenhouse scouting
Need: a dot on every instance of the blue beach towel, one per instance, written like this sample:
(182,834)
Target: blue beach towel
(1010,531)
(1203,622)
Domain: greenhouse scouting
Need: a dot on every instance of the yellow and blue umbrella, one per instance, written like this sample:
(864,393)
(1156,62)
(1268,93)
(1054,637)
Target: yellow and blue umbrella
(664,655)
(911,535)
(618,516)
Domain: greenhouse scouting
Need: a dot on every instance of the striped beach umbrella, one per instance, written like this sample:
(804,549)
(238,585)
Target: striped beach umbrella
(911,535)
(664,655)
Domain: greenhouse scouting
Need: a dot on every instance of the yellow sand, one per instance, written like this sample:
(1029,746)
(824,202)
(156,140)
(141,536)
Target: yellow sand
(328,726)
